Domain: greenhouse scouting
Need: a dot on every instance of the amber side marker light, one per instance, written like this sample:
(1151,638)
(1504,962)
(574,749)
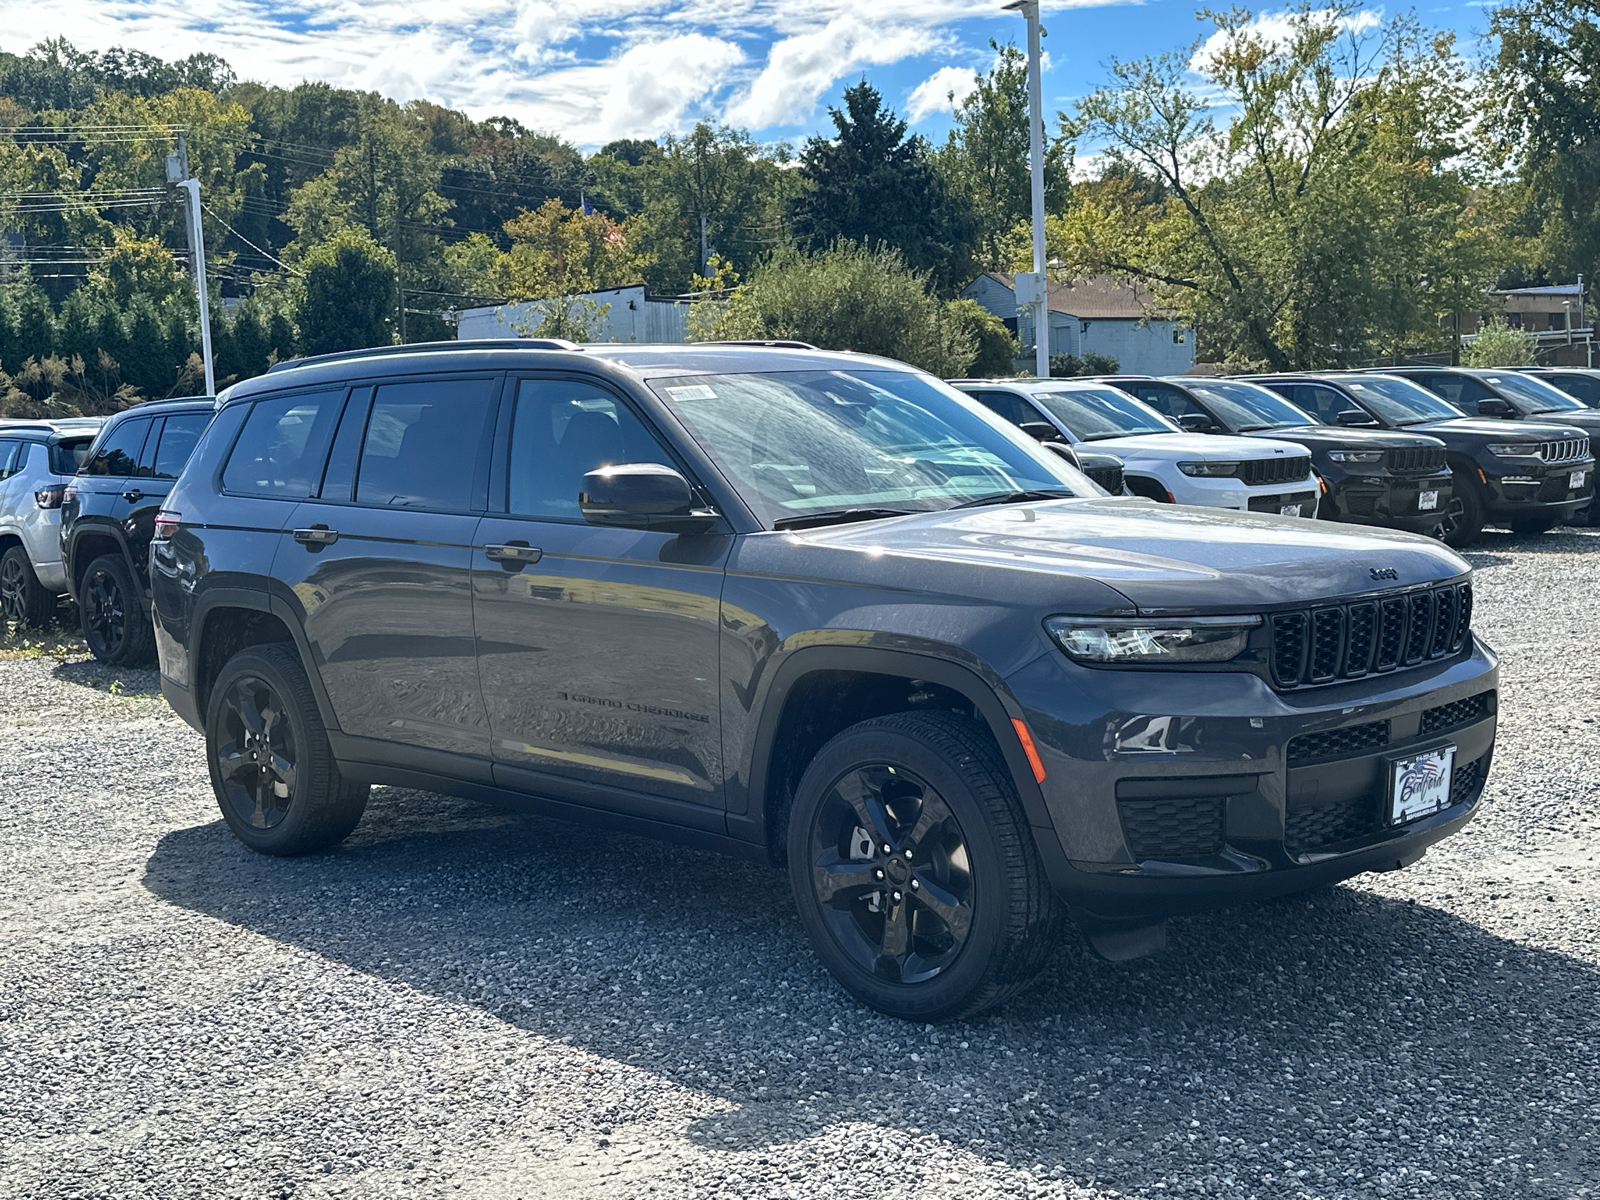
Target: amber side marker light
(1028,749)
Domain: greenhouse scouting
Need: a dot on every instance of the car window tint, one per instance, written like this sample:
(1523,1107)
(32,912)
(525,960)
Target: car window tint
(66,458)
(1325,403)
(1167,401)
(1012,407)
(279,451)
(422,444)
(9,453)
(178,437)
(1461,390)
(1584,387)
(119,453)
(561,430)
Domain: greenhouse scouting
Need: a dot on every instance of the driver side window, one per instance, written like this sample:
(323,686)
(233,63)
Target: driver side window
(1325,402)
(1169,402)
(560,431)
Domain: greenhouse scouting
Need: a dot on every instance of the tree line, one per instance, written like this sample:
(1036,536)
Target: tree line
(1316,190)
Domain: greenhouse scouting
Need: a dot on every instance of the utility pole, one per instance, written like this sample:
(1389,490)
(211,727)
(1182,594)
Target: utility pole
(704,248)
(399,283)
(178,173)
(1036,289)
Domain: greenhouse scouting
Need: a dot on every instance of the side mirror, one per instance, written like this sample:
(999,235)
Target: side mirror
(642,496)
(1042,431)
(1495,407)
(1353,416)
(1196,423)
(1066,451)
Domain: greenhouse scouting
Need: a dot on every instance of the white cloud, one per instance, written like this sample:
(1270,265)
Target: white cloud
(800,68)
(941,92)
(1275,29)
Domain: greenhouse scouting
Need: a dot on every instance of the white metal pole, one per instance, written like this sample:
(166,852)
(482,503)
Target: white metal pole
(197,249)
(1041,320)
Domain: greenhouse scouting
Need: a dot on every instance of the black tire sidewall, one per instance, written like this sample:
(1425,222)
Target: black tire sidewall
(34,601)
(946,994)
(136,637)
(1473,510)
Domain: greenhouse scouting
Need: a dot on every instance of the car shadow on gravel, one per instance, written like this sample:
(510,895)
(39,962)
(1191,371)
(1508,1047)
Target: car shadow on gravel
(1342,1034)
(118,681)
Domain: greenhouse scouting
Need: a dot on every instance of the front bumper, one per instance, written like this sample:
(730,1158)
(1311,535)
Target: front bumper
(1392,501)
(1541,489)
(1230,791)
(1235,495)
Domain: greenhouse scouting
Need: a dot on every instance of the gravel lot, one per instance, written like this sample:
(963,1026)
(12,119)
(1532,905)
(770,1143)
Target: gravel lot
(464,1002)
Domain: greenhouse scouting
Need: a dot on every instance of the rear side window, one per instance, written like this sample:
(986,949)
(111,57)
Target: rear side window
(280,450)
(423,444)
(178,438)
(66,458)
(1584,387)
(118,453)
(1325,402)
(1460,390)
(10,459)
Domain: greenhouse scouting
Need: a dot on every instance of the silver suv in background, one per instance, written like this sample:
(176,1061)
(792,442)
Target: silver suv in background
(37,460)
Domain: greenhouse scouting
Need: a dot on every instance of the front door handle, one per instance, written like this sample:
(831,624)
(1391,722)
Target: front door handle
(133,495)
(316,536)
(513,555)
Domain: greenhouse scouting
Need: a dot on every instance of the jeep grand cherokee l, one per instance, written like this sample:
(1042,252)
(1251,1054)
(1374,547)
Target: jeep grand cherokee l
(811,608)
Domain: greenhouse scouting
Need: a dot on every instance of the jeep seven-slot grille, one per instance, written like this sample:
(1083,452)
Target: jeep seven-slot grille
(1347,641)
(1416,460)
(1564,450)
(1452,716)
(1257,471)
(1109,478)
(1336,743)
(1173,829)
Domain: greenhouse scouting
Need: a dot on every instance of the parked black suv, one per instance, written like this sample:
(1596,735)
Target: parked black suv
(1396,479)
(1530,476)
(108,516)
(811,608)
(1581,383)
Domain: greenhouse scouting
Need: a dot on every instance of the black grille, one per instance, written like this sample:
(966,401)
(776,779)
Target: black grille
(1466,781)
(1462,712)
(1259,471)
(1172,829)
(1416,460)
(1337,743)
(1310,827)
(1564,450)
(1346,641)
(1109,478)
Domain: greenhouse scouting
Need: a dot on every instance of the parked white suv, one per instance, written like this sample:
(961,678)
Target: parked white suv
(37,461)
(1160,460)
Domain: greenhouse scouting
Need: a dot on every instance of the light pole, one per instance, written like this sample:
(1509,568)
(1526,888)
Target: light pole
(178,172)
(1037,289)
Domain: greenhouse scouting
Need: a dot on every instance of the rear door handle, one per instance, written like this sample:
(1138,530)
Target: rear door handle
(133,496)
(514,552)
(317,535)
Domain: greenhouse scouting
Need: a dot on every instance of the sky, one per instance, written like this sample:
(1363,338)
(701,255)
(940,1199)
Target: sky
(593,70)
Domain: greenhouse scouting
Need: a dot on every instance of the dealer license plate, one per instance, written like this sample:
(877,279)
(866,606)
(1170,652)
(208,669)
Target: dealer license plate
(1575,481)
(1419,786)
(1427,501)
(1289,510)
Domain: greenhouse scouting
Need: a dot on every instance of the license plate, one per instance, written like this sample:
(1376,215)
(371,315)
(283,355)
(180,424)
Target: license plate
(1288,510)
(1427,501)
(1575,481)
(1419,786)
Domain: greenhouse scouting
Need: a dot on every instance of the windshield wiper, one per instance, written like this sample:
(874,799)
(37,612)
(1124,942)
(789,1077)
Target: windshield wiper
(1257,428)
(1018,497)
(840,516)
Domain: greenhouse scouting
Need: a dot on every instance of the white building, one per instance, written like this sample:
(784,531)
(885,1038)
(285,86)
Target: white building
(630,316)
(1097,314)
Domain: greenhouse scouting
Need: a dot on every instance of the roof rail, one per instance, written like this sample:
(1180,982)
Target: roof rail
(429,348)
(775,343)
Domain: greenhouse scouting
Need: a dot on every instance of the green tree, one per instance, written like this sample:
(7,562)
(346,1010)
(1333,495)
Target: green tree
(996,353)
(557,251)
(873,185)
(1499,345)
(346,299)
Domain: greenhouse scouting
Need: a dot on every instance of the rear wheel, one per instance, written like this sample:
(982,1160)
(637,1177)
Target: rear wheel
(22,597)
(914,870)
(112,613)
(272,768)
(1468,522)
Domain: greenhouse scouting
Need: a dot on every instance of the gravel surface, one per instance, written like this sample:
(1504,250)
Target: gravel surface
(465,1002)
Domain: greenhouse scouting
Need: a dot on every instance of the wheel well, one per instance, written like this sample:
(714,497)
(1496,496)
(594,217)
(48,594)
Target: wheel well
(1140,485)
(86,549)
(825,703)
(9,540)
(226,632)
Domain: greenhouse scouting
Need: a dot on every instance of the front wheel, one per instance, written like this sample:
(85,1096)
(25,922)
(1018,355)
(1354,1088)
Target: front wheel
(1468,522)
(272,768)
(914,870)
(22,597)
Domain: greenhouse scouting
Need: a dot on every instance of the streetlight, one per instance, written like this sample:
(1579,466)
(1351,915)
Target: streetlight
(1034,288)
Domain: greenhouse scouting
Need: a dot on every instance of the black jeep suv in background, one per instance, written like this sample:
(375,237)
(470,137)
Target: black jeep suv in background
(108,516)
(1530,476)
(1396,479)
(811,608)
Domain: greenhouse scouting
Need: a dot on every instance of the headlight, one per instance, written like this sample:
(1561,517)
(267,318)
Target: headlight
(1356,456)
(1206,470)
(1152,640)
(1513,449)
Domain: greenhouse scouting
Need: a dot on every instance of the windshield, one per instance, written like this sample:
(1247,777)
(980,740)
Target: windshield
(1532,395)
(1399,401)
(1247,406)
(805,442)
(1095,413)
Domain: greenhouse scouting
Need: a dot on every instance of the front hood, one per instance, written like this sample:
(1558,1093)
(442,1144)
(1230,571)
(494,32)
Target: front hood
(1336,437)
(1588,420)
(1511,431)
(1164,558)
(1207,447)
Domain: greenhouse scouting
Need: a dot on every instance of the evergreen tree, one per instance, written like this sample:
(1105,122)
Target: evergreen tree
(347,298)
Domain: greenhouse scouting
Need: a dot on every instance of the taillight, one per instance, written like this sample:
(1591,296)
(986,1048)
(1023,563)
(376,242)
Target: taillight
(51,495)
(167,523)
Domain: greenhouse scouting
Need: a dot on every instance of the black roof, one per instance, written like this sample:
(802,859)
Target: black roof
(178,404)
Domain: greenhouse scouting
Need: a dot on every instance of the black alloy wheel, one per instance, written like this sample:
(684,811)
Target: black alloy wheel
(892,873)
(1468,520)
(111,611)
(256,764)
(22,596)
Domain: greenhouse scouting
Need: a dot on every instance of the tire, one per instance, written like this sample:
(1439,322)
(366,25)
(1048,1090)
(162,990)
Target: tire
(272,768)
(967,938)
(1474,510)
(22,597)
(112,614)
(1531,525)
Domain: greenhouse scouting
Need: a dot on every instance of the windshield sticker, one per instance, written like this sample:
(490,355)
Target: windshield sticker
(694,391)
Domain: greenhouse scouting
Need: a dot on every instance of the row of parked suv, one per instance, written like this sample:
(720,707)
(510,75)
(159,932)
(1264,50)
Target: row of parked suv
(818,610)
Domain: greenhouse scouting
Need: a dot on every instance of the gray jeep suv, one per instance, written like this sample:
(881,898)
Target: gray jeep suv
(37,462)
(815,609)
